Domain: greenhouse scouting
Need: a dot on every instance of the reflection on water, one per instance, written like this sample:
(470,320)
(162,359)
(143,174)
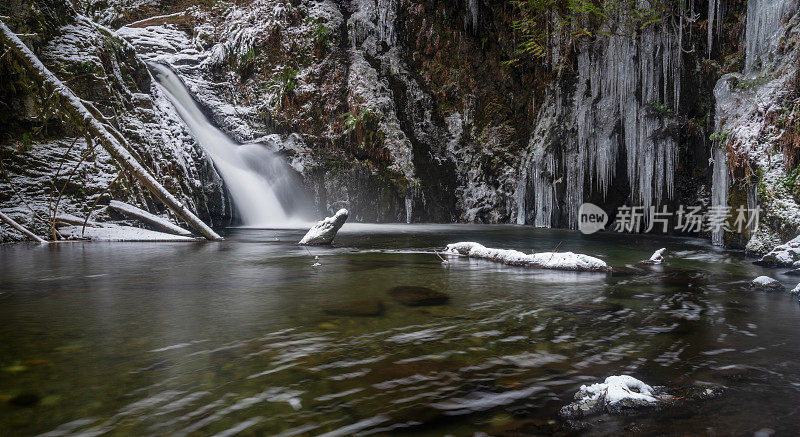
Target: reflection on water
(177,339)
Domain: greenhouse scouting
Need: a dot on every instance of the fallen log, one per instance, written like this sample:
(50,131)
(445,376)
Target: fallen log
(142,215)
(74,106)
(21,228)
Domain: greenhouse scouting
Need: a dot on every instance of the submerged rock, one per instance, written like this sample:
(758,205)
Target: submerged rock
(418,296)
(325,230)
(25,400)
(356,308)
(766,283)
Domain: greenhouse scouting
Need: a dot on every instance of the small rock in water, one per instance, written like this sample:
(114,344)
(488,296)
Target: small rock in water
(325,230)
(25,400)
(793,272)
(615,395)
(656,258)
(766,283)
(356,308)
(796,289)
(414,296)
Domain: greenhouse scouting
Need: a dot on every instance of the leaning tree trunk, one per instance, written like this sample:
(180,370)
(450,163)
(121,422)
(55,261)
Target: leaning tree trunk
(76,109)
(21,228)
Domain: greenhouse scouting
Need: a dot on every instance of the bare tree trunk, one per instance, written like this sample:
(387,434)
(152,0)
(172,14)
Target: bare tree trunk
(21,228)
(78,112)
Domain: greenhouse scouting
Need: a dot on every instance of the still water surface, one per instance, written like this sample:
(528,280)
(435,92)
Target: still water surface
(201,339)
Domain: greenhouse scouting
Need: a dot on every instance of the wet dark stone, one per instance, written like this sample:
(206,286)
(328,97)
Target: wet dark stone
(793,272)
(414,296)
(25,400)
(356,308)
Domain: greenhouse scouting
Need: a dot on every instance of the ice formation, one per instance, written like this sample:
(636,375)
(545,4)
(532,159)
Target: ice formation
(764,20)
(626,89)
(544,260)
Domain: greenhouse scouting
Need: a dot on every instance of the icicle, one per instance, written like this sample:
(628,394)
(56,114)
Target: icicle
(520,196)
(719,188)
(712,12)
(474,15)
(763,23)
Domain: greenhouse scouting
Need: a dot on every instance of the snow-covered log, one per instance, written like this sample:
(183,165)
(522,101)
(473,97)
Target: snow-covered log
(21,228)
(544,260)
(142,215)
(325,230)
(120,233)
(79,113)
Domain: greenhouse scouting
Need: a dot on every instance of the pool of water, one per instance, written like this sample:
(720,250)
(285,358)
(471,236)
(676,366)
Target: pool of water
(208,338)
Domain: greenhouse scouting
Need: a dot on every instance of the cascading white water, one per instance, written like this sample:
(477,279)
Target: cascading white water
(264,189)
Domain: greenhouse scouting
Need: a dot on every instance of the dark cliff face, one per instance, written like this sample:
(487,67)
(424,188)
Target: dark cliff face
(427,110)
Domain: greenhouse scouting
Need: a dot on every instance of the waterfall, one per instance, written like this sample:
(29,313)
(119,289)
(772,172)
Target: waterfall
(264,189)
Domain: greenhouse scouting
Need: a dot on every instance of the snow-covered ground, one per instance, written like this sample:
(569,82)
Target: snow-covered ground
(120,233)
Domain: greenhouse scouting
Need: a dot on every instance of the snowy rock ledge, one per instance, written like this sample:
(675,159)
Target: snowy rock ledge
(325,230)
(766,283)
(544,260)
(615,395)
(784,255)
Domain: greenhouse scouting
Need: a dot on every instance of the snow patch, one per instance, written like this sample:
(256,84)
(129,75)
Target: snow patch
(119,233)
